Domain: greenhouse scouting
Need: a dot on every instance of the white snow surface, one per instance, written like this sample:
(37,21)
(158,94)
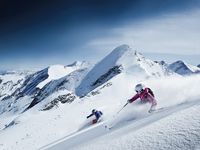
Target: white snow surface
(56,72)
(179,131)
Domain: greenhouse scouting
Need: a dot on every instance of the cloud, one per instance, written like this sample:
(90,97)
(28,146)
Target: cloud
(172,33)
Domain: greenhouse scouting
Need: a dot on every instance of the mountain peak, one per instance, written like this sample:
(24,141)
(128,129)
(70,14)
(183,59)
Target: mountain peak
(183,68)
(121,59)
(122,47)
(108,67)
(119,52)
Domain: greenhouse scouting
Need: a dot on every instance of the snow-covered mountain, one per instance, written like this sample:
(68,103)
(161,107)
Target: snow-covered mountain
(65,83)
(37,86)
(56,99)
(121,59)
(10,82)
(77,79)
(183,68)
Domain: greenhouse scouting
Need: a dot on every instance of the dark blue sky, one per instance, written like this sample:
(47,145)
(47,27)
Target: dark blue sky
(37,33)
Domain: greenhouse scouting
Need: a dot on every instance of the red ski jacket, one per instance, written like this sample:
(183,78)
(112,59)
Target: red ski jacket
(145,96)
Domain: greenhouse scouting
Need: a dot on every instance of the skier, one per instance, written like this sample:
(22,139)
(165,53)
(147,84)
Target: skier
(97,114)
(146,95)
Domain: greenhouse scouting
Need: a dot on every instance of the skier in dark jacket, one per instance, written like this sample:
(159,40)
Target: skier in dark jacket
(146,95)
(97,114)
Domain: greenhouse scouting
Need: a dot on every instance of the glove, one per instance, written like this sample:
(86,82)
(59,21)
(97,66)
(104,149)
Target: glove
(129,101)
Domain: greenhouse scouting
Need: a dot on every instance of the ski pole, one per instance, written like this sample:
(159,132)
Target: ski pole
(122,108)
(114,117)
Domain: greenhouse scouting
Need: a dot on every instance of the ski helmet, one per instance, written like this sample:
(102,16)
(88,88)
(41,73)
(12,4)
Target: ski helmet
(93,110)
(139,87)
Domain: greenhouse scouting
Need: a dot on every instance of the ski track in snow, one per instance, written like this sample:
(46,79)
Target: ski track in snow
(179,131)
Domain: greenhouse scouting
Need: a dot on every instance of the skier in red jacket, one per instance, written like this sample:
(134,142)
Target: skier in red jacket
(146,95)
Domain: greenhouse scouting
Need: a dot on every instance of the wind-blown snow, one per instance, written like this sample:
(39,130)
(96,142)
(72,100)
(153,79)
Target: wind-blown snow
(179,131)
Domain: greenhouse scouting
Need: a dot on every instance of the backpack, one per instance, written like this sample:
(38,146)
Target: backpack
(100,112)
(151,92)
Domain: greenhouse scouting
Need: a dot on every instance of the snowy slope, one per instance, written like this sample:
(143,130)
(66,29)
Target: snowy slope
(175,96)
(183,68)
(55,72)
(58,71)
(179,131)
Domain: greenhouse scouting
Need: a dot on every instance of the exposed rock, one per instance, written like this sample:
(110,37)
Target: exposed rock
(68,98)
(108,75)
